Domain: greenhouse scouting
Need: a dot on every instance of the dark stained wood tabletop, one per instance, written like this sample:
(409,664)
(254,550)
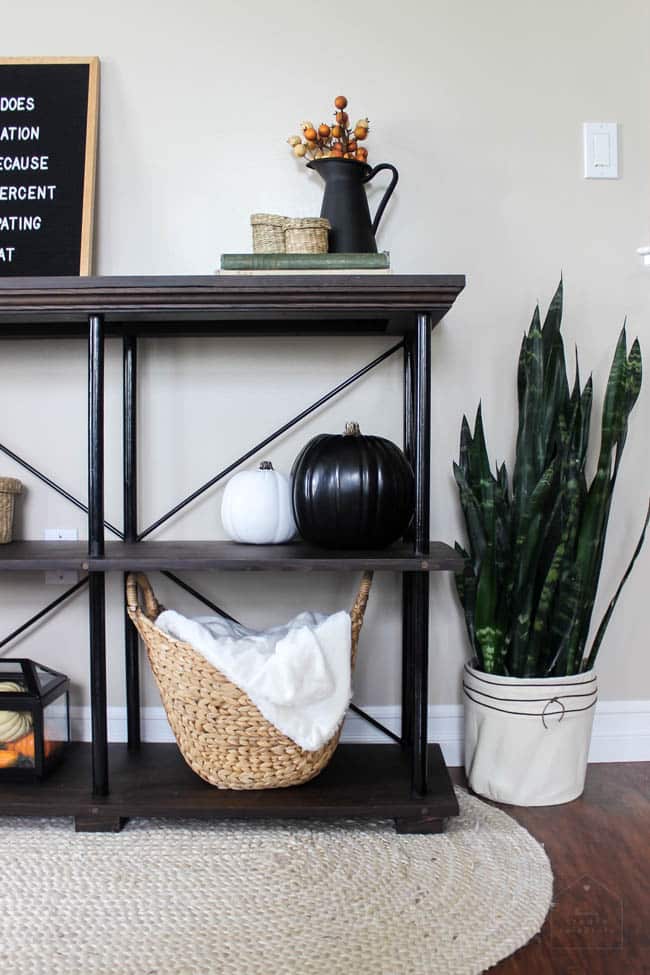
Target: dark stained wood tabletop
(226,304)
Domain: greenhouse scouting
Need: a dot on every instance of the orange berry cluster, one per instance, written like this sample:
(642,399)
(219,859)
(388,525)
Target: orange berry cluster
(337,140)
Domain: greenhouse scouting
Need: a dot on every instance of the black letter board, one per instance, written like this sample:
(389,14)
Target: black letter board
(48,136)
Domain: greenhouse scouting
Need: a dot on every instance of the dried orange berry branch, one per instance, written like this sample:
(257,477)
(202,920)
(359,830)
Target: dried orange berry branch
(338,140)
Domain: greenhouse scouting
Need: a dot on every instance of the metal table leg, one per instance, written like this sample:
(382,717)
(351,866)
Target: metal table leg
(97,602)
(129,442)
(419,581)
(407,608)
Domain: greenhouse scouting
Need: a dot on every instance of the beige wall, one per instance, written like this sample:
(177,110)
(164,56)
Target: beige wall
(480,106)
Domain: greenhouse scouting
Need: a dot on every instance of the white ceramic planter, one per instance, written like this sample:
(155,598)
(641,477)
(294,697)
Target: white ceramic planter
(527,740)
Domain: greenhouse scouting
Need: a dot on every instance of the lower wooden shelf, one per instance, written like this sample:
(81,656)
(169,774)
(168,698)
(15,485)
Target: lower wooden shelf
(368,781)
(222,554)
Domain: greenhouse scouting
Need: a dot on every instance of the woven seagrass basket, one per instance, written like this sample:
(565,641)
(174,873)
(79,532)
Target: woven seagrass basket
(306,235)
(221,734)
(268,233)
(9,488)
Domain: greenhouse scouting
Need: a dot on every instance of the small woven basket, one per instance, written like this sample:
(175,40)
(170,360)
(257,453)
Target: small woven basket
(306,235)
(221,734)
(268,233)
(9,488)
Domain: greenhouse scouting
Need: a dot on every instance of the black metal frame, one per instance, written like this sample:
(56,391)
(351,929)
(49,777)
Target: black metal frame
(419,581)
(267,440)
(96,580)
(55,487)
(130,504)
(34,700)
(417,436)
(416,347)
(43,612)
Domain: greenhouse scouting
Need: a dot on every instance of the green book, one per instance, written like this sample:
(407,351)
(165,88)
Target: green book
(305,262)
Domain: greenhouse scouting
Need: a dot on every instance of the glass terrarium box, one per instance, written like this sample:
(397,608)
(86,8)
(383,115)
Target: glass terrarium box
(34,719)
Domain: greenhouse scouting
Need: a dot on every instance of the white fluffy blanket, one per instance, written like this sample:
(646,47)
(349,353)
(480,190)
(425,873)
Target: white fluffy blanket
(298,675)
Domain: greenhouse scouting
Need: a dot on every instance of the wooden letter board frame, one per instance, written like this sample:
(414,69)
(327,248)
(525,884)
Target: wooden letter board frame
(76,235)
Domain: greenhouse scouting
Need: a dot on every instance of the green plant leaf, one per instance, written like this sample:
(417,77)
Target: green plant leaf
(583,414)
(590,661)
(527,541)
(566,620)
(616,396)
(555,400)
(531,449)
(473,514)
(465,445)
(634,375)
(620,397)
(489,636)
(632,388)
(466,588)
(553,320)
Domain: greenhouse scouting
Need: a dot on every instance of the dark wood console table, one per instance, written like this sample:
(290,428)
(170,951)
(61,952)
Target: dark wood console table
(100,784)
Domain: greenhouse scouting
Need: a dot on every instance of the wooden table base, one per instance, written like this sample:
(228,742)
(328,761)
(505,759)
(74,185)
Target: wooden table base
(366,781)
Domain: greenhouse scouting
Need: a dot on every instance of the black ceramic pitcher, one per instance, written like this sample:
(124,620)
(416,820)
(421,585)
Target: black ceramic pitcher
(345,204)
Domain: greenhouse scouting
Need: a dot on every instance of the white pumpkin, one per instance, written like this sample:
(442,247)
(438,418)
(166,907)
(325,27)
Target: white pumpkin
(13,724)
(257,508)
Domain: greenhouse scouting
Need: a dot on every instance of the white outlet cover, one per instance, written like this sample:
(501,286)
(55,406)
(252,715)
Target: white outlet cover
(61,577)
(61,535)
(600,150)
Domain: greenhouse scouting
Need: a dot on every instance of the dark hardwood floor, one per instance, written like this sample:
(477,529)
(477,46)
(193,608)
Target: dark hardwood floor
(599,848)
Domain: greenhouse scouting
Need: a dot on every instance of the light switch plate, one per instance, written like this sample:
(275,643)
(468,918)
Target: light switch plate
(601,150)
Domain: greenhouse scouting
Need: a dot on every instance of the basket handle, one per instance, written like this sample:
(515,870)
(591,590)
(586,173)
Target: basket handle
(152,607)
(360,603)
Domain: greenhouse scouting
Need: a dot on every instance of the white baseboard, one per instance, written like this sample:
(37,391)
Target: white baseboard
(621,730)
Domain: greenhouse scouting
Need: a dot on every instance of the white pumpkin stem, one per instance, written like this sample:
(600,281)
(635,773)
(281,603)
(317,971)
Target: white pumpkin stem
(352,429)
(266,465)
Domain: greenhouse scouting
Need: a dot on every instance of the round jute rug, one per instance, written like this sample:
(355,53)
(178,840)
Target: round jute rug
(271,898)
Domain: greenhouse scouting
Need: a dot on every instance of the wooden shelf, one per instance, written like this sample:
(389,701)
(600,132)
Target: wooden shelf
(149,556)
(238,305)
(369,781)
(30,555)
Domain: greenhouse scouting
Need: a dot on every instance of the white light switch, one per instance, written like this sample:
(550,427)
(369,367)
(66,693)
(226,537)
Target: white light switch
(601,150)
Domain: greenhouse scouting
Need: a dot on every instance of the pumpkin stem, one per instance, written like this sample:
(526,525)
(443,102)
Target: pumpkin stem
(352,429)
(266,465)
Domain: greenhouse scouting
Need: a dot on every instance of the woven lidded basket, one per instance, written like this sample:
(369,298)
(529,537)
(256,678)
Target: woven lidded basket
(9,488)
(306,235)
(221,734)
(268,233)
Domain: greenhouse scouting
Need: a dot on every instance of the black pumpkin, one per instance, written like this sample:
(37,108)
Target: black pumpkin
(352,491)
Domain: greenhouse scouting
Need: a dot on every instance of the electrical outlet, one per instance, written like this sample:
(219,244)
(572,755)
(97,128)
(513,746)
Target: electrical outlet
(61,535)
(61,577)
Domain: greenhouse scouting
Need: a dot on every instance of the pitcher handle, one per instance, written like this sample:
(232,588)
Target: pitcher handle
(387,195)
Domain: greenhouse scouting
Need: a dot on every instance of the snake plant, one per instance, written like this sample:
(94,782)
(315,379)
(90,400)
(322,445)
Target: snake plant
(536,547)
